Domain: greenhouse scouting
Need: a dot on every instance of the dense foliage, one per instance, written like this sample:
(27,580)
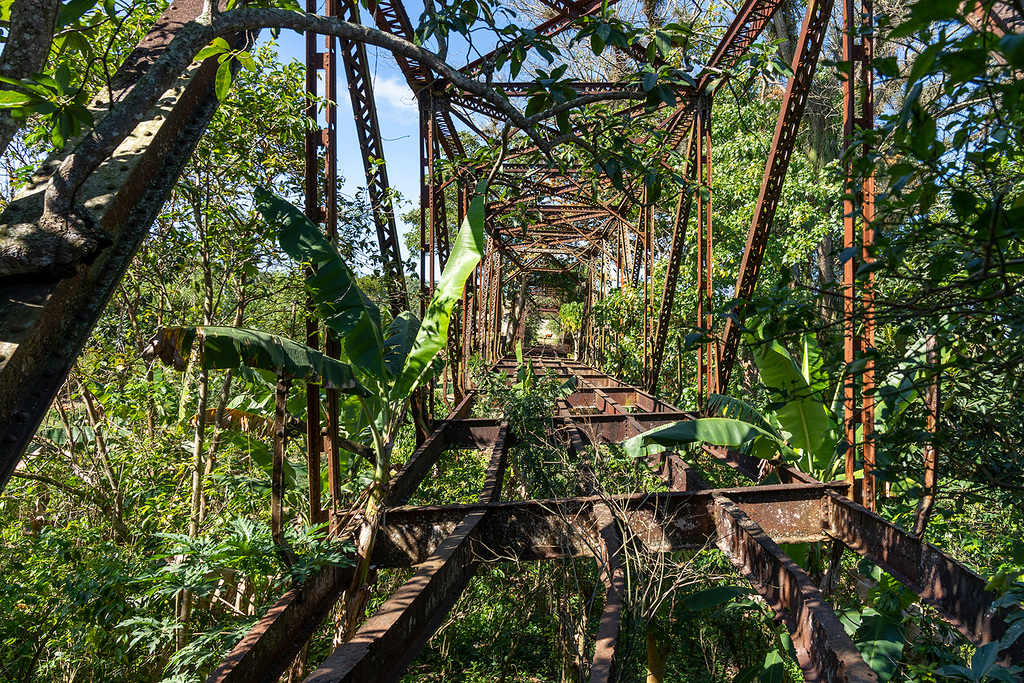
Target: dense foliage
(137,536)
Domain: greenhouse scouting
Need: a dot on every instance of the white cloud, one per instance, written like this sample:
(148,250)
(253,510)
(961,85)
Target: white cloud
(394,98)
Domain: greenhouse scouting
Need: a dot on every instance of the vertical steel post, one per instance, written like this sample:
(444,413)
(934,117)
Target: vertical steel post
(858,208)
(648,281)
(705,286)
(332,347)
(314,443)
(931,454)
(425,124)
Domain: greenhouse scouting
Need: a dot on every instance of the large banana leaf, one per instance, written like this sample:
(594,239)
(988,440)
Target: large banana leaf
(727,406)
(880,640)
(339,301)
(813,367)
(802,415)
(718,431)
(222,348)
(433,333)
(398,340)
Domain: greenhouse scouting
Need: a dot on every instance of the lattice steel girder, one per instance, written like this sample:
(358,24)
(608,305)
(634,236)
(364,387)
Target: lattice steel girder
(389,640)
(824,650)
(371,148)
(957,593)
(551,529)
(44,325)
(581,87)
(519,531)
(269,648)
(668,292)
(805,60)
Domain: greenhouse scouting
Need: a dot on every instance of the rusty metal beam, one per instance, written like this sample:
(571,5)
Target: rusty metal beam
(45,324)
(270,647)
(531,530)
(794,101)
(957,593)
(371,148)
(824,651)
(613,575)
(668,292)
(389,640)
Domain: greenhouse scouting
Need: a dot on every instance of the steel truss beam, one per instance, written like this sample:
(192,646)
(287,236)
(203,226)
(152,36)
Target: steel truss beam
(794,101)
(364,109)
(45,324)
(448,543)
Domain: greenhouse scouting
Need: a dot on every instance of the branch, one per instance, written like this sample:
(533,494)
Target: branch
(101,142)
(81,494)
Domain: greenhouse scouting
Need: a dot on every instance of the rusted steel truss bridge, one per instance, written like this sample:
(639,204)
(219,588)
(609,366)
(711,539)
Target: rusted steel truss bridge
(574,234)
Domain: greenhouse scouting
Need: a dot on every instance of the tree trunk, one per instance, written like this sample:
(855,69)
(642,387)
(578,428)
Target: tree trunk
(28,46)
(657,656)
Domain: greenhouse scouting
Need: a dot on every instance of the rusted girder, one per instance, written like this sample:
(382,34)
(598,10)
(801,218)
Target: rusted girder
(824,651)
(531,530)
(957,593)
(44,324)
(364,110)
(270,647)
(613,575)
(447,542)
(794,101)
(668,292)
(389,640)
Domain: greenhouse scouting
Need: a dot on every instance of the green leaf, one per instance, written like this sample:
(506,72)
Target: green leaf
(224,348)
(1012,46)
(880,641)
(802,416)
(720,431)
(223,82)
(398,340)
(433,333)
(663,42)
(13,98)
(748,674)
(340,303)
(247,62)
(217,46)
(73,11)
(714,596)
(727,406)
(774,668)
(650,80)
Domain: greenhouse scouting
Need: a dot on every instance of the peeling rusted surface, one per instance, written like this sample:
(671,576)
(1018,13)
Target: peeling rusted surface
(479,433)
(603,666)
(394,635)
(271,646)
(547,529)
(955,591)
(824,651)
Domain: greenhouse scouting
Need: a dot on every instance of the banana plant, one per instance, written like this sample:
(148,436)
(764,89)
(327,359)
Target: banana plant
(380,368)
(391,363)
(803,431)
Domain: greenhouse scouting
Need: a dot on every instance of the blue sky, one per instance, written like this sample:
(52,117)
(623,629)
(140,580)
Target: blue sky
(397,114)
